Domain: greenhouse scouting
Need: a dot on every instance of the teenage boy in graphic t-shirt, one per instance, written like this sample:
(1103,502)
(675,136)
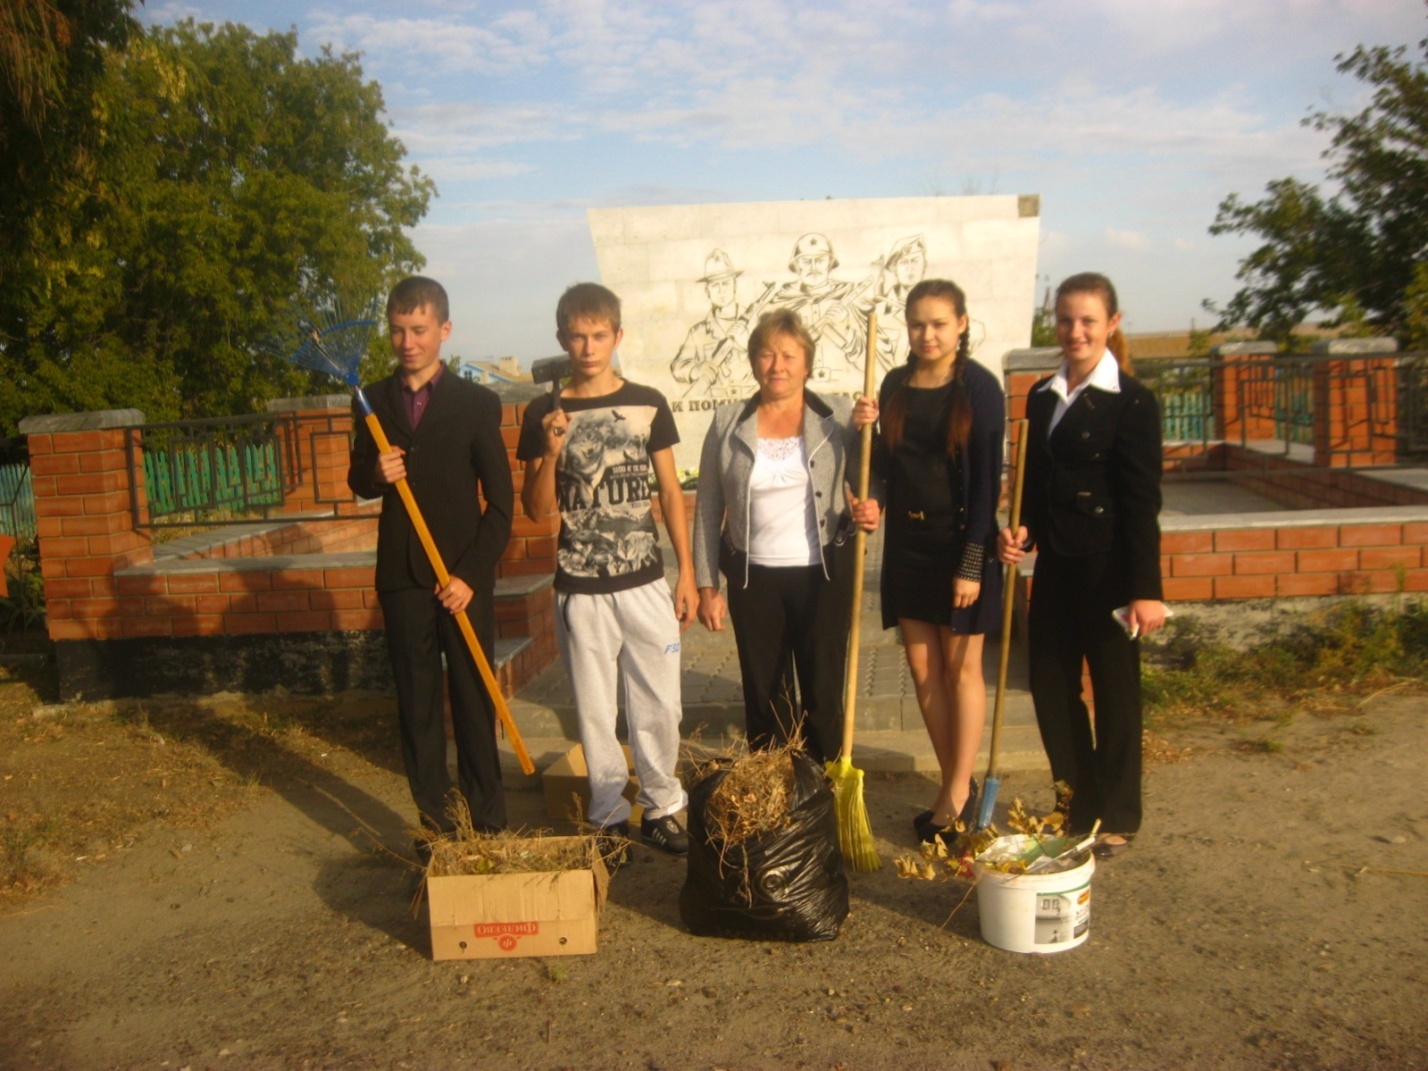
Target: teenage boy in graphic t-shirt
(591,459)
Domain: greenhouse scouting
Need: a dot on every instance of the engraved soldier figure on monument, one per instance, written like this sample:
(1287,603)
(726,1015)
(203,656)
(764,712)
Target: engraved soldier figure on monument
(712,359)
(834,311)
(902,269)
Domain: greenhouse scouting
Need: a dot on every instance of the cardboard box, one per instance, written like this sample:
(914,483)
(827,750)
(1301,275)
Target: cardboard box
(568,779)
(510,916)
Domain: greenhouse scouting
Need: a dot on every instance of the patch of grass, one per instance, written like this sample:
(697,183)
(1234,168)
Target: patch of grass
(83,782)
(1354,647)
(1261,745)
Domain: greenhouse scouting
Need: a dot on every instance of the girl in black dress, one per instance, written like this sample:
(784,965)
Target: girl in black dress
(939,454)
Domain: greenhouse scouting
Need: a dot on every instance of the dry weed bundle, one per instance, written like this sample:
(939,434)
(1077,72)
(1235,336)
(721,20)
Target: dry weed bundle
(752,799)
(468,851)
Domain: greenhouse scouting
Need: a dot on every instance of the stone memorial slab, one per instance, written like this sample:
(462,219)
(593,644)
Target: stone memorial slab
(694,279)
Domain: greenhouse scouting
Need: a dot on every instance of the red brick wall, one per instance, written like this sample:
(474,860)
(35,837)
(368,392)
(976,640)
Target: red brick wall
(531,550)
(1334,557)
(101,581)
(85,526)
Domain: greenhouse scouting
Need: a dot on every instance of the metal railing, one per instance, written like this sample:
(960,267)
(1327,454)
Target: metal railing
(224,470)
(1412,377)
(1185,391)
(17,496)
(1270,402)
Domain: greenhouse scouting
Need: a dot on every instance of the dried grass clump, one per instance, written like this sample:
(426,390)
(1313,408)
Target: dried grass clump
(752,799)
(467,851)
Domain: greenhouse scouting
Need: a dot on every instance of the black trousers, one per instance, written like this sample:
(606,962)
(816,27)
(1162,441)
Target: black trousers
(419,631)
(792,622)
(1070,620)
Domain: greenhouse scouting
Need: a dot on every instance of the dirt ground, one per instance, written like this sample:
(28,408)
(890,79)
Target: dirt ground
(263,927)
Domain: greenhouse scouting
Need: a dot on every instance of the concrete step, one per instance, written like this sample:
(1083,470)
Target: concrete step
(555,717)
(885,751)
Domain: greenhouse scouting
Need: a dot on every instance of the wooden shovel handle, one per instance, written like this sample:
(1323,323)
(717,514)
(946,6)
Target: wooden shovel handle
(463,622)
(1008,604)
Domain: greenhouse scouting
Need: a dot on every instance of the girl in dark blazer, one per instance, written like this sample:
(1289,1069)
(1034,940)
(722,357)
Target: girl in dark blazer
(1091,507)
(939,456)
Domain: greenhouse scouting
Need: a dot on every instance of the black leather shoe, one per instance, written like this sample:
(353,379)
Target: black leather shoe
(666,834)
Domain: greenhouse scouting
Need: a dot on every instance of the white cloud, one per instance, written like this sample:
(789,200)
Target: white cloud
(451,170)
(165,14)
(463,127)
(505,45)
(1131,240)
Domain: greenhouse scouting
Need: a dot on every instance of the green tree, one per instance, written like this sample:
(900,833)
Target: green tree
(1358,253)
(231,183)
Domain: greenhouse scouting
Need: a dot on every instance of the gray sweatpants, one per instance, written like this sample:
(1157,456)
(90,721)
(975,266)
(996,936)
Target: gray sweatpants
(631,635)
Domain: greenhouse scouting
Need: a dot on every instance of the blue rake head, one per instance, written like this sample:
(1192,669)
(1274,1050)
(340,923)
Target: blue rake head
(334,342)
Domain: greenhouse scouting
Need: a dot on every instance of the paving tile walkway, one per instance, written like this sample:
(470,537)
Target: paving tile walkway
(889,731)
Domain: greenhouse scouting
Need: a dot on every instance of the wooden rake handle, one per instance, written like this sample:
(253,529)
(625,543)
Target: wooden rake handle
(493,687)
(860,543)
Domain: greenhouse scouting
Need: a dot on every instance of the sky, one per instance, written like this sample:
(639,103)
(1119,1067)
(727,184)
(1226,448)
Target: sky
(1132,119)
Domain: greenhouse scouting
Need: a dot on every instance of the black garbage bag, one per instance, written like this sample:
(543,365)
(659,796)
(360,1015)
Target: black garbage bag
(787,885)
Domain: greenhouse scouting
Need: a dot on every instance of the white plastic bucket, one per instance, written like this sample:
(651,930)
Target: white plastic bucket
(1033,912)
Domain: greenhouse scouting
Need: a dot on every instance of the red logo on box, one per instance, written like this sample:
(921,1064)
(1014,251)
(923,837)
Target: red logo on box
(507,934)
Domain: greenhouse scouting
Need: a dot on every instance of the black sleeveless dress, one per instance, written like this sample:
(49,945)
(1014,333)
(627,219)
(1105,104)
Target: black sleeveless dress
(926,519)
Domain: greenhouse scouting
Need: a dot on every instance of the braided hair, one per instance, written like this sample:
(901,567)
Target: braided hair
(959,422)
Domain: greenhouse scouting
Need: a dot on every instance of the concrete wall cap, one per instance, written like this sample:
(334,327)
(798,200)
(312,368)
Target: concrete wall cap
(509,587)
(312,401)
(61,422)
(1034,359)
(1243,349)
(1355,346)
(516,393)
(1294,518)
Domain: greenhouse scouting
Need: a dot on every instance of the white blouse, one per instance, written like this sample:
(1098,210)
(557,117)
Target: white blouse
(782,528)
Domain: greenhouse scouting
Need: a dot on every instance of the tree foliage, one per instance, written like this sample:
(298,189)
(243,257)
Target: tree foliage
(228,180)
(1361,252)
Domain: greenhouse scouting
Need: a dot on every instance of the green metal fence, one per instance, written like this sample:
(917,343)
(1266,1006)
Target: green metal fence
(189,477)
(17,501)
(214,471)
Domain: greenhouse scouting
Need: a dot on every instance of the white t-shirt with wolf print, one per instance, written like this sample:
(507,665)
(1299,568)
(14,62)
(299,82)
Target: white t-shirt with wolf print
(608,541)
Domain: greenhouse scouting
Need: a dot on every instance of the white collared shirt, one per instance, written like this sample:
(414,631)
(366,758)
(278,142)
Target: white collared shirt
(1105,376)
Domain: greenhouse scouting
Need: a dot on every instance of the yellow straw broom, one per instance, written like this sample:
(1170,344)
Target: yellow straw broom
(855,835)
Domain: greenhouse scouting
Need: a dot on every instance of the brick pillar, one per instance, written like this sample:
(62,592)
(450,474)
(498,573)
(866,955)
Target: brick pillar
(84,511)
(1024,369)
(1356,403)
(1240,370)
(315,447)
(531,550)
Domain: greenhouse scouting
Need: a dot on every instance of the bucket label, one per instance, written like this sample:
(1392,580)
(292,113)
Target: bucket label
(1063,916)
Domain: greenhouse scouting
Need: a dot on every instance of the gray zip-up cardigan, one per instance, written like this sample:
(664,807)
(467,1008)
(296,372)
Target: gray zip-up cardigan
(727,462)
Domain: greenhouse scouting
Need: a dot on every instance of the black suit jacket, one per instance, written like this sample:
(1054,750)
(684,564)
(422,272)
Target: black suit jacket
(1093,485)
(456,448)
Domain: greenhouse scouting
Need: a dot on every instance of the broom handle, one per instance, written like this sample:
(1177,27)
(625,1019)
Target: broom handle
(860,542)
(994,757)
(493,688)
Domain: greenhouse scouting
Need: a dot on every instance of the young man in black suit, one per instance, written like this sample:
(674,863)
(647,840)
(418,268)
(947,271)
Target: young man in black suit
(446,441)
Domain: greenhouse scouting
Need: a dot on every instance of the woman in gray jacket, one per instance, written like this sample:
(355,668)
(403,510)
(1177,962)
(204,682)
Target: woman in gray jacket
(773,515)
